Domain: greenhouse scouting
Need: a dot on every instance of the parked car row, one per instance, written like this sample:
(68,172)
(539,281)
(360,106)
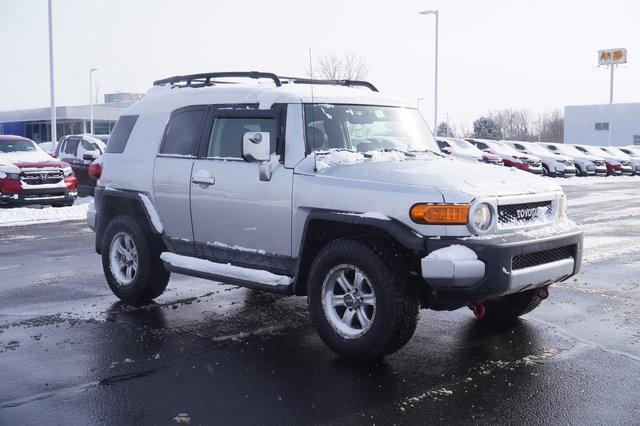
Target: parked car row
(548,159)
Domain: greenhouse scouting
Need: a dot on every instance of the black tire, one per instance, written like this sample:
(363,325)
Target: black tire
(396,313)
(579,171)
(512,306)
(546,172)
(152,278)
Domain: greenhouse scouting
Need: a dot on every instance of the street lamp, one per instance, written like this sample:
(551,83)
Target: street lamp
(54,136)
(91,97)
(435,96)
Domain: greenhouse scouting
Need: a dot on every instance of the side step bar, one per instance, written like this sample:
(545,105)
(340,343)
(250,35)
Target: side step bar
(228,274)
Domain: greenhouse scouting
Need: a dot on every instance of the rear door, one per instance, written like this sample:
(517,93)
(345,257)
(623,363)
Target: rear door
(172,175)
(237,217)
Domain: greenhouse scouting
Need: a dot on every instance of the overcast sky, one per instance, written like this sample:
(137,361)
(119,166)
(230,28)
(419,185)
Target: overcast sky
(494,54)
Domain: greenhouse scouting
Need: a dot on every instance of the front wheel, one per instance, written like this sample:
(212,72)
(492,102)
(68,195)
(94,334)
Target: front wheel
(360,300)
(131,262)
(511,306)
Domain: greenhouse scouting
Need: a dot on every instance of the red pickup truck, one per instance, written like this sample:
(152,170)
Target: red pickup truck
(29,175)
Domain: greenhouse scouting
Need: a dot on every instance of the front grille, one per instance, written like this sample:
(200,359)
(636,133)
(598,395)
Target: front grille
(541,257)
(523,213)
(44,177)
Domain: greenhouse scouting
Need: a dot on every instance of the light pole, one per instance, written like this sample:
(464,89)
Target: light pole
(435,92)
(54,136)
(91,98)
(610,130)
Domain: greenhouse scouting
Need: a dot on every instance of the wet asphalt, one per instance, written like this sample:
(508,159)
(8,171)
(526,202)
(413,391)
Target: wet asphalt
(70,353)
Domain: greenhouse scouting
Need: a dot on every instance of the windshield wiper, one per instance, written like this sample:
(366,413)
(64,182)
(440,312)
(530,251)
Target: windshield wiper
(408,154)
(427,150)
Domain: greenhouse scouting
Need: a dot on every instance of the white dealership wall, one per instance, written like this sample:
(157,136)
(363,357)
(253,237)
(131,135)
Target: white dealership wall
(580,124)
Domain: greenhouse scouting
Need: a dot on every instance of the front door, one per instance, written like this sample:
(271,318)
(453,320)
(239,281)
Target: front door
(237,217)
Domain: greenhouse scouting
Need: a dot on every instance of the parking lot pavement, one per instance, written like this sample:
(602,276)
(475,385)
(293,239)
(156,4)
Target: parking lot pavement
(70,353)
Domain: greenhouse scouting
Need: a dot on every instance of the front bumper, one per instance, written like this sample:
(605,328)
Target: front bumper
(506,264)
(34,195)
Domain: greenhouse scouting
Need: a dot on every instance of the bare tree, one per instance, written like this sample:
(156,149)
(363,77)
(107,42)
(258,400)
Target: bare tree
(348,66)
(552,127)
(514,123)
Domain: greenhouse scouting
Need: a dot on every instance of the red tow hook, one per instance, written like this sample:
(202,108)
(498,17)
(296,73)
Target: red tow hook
(478,309)
(543,292)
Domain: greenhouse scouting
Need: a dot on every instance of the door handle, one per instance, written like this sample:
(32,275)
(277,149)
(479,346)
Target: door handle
(203,180)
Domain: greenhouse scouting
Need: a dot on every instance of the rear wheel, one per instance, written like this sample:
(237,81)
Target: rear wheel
(131,262)
(360,300)
(511,306)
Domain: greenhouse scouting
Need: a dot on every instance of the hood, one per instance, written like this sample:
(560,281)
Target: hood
(561,157)
(445,175)
(32,159)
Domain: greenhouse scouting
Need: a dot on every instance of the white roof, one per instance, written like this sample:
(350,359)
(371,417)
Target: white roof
(167,98)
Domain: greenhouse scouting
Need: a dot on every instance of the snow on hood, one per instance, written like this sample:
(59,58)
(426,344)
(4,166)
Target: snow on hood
(431,170)
(38,156)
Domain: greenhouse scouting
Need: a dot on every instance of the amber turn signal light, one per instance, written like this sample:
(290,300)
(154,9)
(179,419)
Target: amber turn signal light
(440,214)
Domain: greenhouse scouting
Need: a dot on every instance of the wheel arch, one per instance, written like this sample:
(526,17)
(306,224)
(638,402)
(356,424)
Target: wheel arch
(111,203)
(324,226)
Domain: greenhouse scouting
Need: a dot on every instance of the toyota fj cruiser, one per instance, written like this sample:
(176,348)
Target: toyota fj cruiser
(326,189)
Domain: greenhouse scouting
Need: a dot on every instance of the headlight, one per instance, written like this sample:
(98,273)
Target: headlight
(562,207)
(68,172)
(482,217)
(11,176)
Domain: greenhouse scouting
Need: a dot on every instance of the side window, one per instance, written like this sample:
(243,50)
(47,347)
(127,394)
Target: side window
(226,137)
(120,134)
(520,147)
(71,147)
(183,132)
(552,148)
(482,145)
(89,146)
(581,149)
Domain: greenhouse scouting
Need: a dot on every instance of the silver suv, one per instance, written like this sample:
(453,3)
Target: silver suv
(324,189)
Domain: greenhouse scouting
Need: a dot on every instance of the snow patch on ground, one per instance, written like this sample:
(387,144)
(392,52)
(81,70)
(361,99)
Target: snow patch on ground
(225,270)
(36,214)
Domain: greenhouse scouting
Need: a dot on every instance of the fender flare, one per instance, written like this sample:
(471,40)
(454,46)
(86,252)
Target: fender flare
(399,231)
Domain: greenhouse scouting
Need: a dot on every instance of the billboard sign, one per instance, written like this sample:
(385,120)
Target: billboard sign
(612,56)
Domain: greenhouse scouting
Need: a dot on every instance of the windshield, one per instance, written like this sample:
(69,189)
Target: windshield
(569,150)
(365,128)
(466,146)
(503,149)
(616,152)
(17,145)
(536,149)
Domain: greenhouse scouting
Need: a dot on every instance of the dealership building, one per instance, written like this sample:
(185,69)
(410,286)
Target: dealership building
(35,124)
(591,124)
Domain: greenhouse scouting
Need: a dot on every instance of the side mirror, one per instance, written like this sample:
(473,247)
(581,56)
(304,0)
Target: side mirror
(256,147)
(88,157)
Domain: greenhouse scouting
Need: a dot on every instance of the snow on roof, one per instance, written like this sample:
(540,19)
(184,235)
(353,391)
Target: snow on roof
(167,98)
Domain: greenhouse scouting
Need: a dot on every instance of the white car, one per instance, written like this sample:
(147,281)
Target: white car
(552,164)
(460,148)
(586,165)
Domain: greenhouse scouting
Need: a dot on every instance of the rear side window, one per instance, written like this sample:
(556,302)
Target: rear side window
(227,134)
(183,132)
(120,134)
(520,147)
(71,147)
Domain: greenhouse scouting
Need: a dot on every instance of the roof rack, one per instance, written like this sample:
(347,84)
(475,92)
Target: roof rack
(304,80)
(206,79)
